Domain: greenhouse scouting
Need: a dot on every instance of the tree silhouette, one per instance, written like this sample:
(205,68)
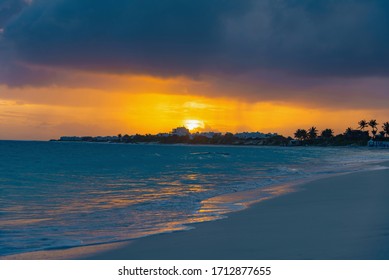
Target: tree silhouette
(385,127)
(301,134)
(348,131)
(312,133)
(327,133)
(373,124)
(363,124)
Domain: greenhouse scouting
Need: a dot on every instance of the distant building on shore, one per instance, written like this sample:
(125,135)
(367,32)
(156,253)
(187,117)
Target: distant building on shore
(181,131)
(106,138)
(70,138)
(89,139)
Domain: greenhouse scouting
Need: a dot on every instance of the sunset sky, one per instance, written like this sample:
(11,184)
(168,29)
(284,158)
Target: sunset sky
(95,67)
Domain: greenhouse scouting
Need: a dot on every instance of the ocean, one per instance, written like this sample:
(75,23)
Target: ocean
(56,195)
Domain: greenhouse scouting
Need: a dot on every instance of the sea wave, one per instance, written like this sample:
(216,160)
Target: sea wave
(57,195)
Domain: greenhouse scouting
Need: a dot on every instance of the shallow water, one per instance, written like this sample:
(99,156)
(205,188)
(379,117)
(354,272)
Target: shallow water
(59,195)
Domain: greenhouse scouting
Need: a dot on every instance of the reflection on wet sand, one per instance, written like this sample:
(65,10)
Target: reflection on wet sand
(240,200)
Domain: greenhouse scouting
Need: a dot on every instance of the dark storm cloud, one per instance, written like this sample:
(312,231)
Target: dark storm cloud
(10,8)
(161,37)
(331,37)
(320,38)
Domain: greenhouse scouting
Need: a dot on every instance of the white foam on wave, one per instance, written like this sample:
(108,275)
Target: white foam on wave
(93,194)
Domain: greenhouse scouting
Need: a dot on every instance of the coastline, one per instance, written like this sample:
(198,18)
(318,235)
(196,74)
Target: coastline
(295,225)
(340,217)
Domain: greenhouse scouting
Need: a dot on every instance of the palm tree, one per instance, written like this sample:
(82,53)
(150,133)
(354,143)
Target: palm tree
(301,134)
(312,133)
(373,124)
(385,126)
(304,134)
(327,133)
(363,124)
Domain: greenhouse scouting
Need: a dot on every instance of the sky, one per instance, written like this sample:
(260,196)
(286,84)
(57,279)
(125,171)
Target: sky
(97,67)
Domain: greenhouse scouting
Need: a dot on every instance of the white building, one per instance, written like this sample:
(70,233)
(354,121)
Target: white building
(181,131)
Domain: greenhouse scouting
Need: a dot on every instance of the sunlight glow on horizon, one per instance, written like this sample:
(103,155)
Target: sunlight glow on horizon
(45,113)
(193,124)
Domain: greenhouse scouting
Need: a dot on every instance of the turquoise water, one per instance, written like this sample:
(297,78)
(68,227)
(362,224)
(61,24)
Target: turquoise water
(58,195)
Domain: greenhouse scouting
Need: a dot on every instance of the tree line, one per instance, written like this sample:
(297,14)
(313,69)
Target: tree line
(313,134)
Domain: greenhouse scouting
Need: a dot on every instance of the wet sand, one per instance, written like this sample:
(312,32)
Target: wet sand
(342,217)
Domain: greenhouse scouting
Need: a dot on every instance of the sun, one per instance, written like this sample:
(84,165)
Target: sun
(193,124)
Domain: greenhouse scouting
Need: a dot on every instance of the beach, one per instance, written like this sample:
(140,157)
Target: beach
(342,217)
(194,130)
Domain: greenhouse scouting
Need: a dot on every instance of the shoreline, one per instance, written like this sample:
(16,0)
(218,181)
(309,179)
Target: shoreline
(125,249)
(339,217)
(349,145)
(345,146)
(225,204)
